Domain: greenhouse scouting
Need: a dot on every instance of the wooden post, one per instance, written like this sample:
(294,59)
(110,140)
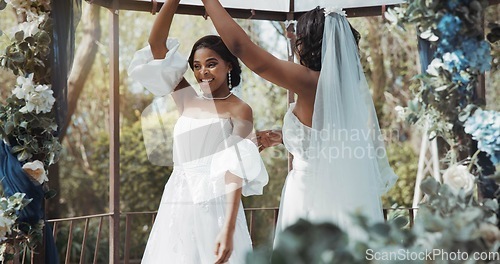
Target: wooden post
(291,56)
(114,138)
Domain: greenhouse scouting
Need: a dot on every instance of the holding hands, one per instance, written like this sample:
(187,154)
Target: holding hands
(268,138)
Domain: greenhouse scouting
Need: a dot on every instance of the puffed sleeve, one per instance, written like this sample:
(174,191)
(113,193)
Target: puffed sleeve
(242,159)
(159,76)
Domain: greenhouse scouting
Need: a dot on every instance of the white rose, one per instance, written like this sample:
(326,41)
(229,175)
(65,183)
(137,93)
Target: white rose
(36,170)
(458,177)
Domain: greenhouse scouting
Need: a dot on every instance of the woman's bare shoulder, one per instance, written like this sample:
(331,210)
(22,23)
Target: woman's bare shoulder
(239,109)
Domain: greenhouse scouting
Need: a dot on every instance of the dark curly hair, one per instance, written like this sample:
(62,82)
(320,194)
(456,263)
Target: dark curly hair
(310,27)
(215,43)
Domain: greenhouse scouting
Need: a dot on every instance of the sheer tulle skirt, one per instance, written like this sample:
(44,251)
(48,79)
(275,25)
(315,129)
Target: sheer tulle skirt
(185,232)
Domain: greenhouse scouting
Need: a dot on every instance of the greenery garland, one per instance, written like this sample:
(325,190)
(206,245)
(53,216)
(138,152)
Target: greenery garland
(27,117)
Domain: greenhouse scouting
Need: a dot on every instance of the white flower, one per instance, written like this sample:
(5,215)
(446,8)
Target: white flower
(41,100)
(19,4)
(401,112)
(433,68)
(38,98)
(30,27)
(36,170)
(5,225)
(451,59)
(25,86)
(329,10)
(458,177)
(429,35)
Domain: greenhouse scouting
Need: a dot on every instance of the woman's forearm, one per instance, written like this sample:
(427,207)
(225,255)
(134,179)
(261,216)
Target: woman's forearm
(231,33)
(233,199)
(161,27)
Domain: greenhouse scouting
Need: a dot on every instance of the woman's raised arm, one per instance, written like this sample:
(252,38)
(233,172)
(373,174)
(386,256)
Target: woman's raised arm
(289,75)
(161,27)
(157,41)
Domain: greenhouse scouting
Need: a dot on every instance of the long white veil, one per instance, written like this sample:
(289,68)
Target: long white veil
(352,161)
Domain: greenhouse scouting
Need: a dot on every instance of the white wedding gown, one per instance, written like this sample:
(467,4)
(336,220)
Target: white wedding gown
(298,191)
(340,165)
(192,212)
(193,206)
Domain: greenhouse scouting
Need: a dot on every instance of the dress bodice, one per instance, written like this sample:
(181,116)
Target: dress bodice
(297,139)
(205,149)
(197,139)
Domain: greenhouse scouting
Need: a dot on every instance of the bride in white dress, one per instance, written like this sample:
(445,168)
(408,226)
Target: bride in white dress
(201,218)
(340,165)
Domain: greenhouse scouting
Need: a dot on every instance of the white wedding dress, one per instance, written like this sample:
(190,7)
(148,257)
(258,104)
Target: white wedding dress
(340,165)
(299,189)
(193,206)
(189,218)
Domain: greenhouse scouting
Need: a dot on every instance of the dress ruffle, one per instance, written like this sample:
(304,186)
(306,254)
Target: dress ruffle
(241,158)
(161,76)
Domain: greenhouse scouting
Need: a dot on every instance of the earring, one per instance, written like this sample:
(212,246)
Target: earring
(229,80)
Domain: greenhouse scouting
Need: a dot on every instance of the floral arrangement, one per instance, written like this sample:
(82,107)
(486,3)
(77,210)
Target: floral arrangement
(446,103)
(27,117)
(454,29)
(12,232)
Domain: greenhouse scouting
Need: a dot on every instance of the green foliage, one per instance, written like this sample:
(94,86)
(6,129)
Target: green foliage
(30,54)
(15,234)
(30,134)
(446,221)
(404,161)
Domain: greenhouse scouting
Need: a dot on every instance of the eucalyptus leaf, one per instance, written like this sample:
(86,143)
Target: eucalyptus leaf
(44,51)
(17,149)
(441,88)
(30,40)
(19,36)
(24,46)
(17,57)
(380,229)
(42,38)
(491,204)
(24,155)
(9,127)
(400,221)
(52,158)
(50,194)
(430,186)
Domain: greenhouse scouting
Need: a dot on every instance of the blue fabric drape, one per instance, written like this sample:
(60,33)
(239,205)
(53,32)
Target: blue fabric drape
(66,15)
(425,53)
(15,180)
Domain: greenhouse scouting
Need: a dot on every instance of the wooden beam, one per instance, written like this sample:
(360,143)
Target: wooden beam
(135,5)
